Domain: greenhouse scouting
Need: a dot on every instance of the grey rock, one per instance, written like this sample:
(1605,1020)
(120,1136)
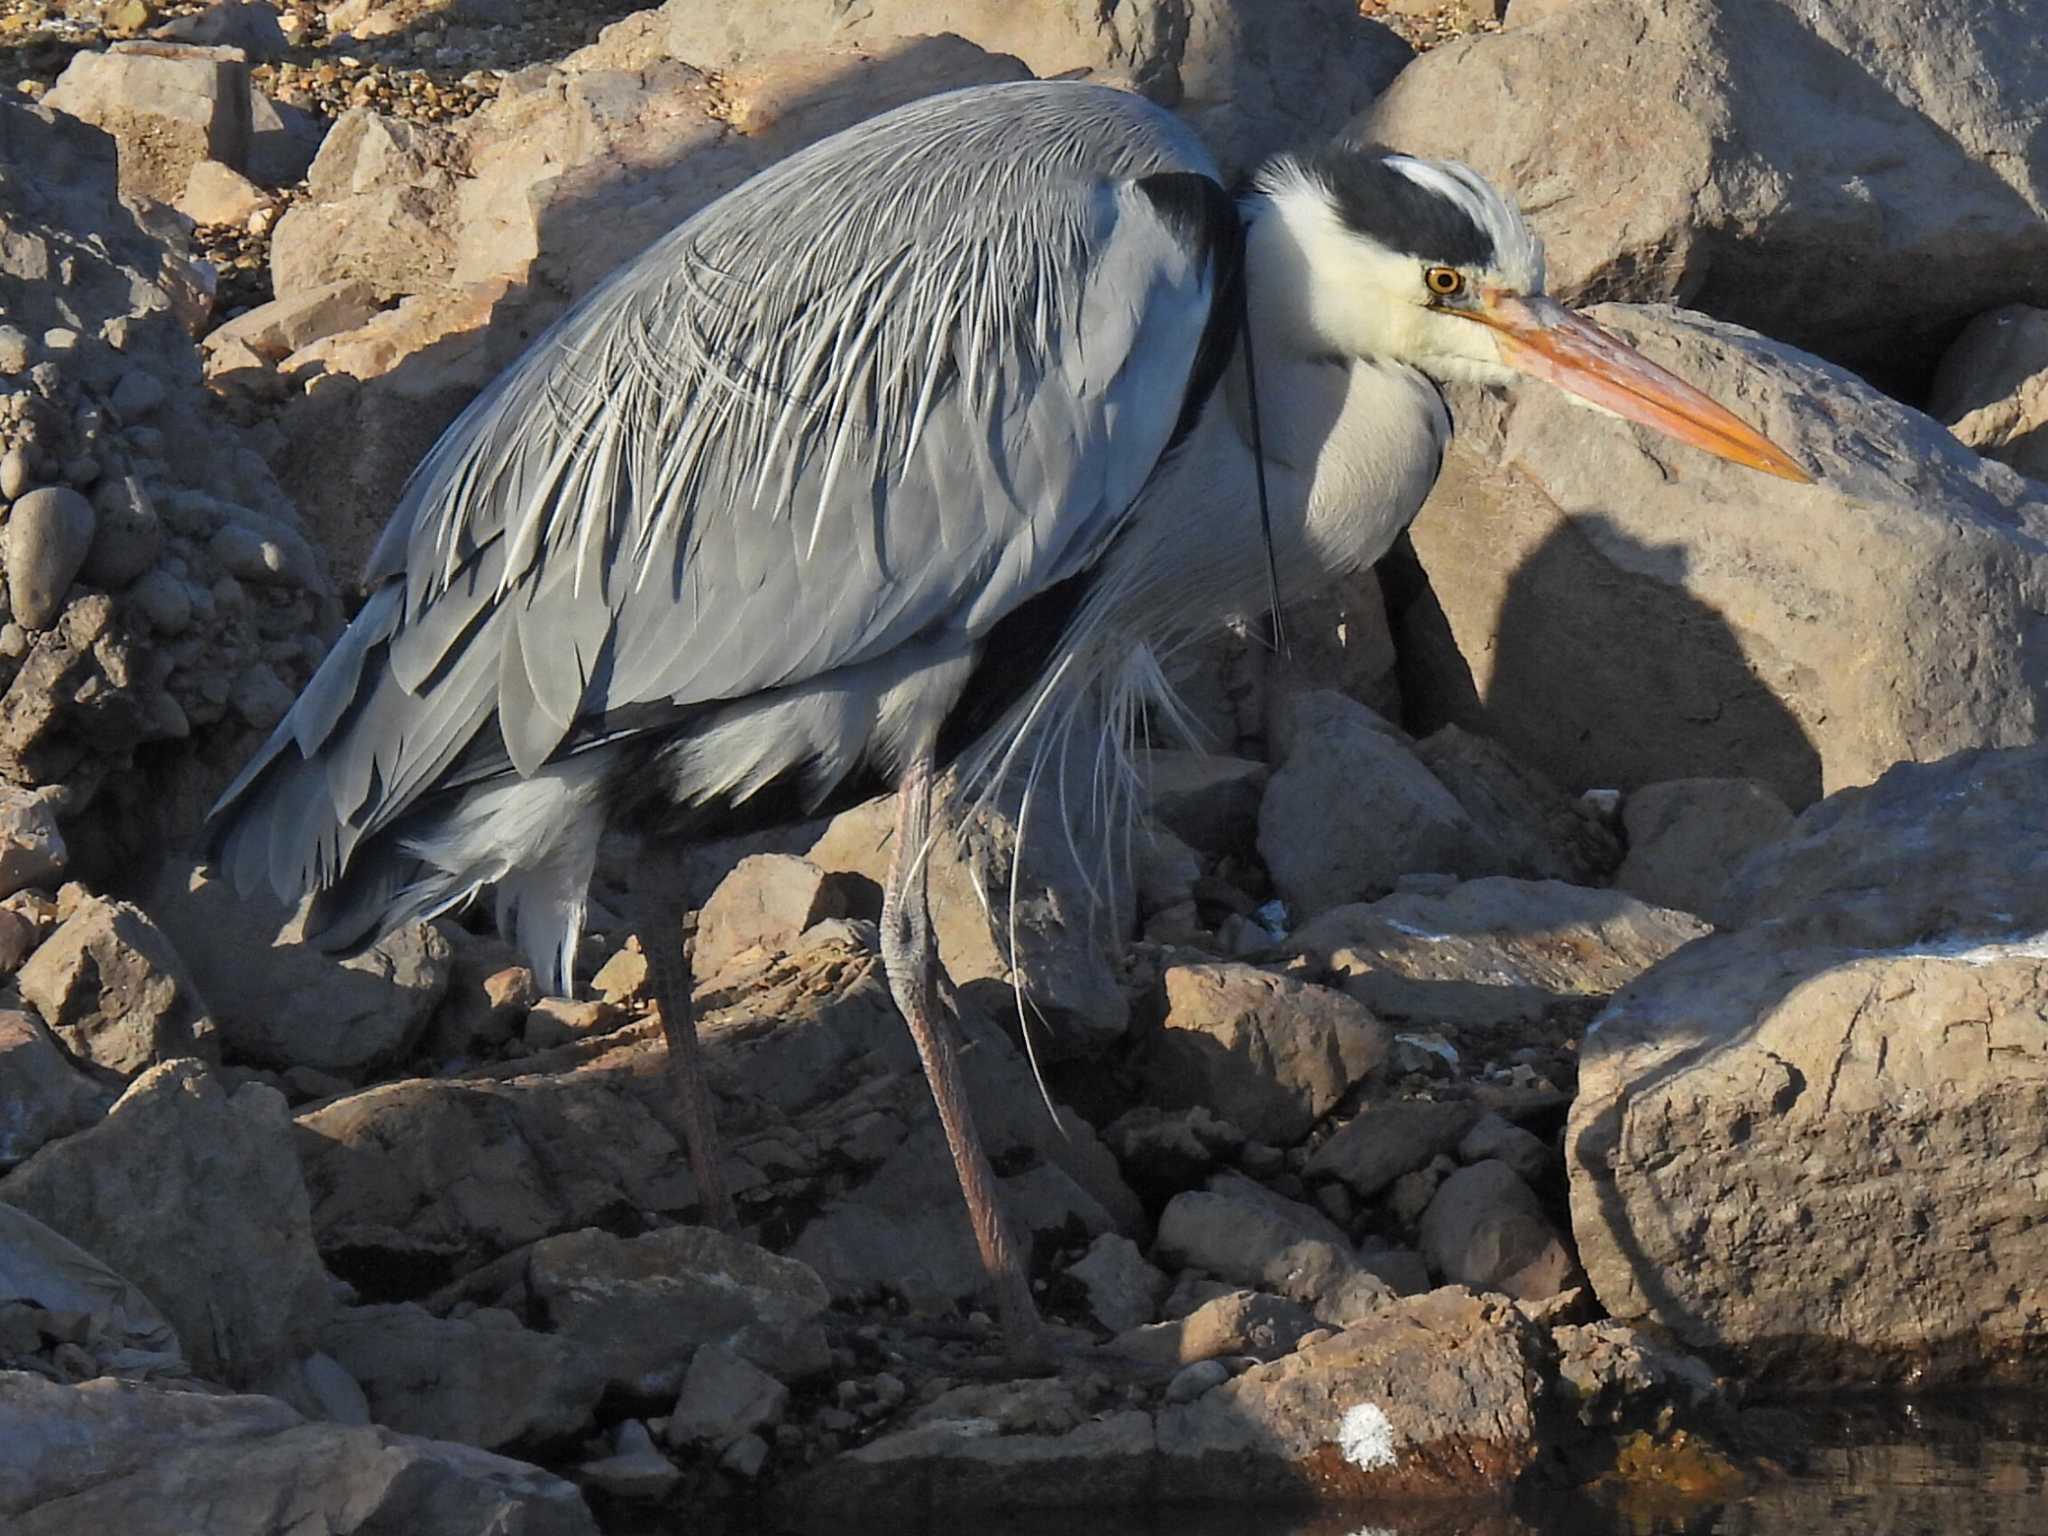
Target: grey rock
(239,24)
(165,601)
(1493,951)
(1270,1054)
(112,988)
(127,535)
(1991,390)
(42,1096)
(724,1396)
(1687,836)
(118,1456)
(180,1154)
(285,1003)
(1352,809)
(482,1379)
(1123,1290)
(137,395)
(1604,617)
(1384,1141)
(1250,82)
(260,696)
(123,1331)
(15,356)
(635,1469)
(1763,142)
(49,533)
(1191,1381)
(1612,1374)
(1248,1235)
(1233,1325)
(1485,1228)
(640,1307)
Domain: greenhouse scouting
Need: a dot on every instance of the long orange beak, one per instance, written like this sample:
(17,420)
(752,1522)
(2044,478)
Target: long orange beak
(1543,339)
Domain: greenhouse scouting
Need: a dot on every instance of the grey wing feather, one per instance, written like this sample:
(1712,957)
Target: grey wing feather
(898,383)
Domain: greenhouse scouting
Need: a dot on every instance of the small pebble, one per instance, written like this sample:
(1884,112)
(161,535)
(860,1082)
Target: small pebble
(15,475)
(48,534)
(1191,1381)
(14,350)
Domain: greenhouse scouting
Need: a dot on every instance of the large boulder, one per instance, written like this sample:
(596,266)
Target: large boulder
(1253,78)
(110,1455)
(1814,1144)
(193,1193)
(1794,168)
(1621,610)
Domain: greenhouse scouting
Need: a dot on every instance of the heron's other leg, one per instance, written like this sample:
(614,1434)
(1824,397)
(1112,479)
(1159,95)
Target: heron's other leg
(910,962)
(658,917)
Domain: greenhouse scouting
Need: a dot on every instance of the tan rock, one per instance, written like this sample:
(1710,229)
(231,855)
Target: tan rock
(285,325)
(168,105)
(1270,1054)
(766,902)
(1485,1228)
(214,194)
(32,848)
(1687,836)
(1627,612)
(42,1096)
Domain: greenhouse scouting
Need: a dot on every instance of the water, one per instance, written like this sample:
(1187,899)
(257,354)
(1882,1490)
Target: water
(1973,1466)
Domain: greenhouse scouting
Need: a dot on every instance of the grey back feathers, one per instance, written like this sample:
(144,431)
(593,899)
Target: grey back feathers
(859,409)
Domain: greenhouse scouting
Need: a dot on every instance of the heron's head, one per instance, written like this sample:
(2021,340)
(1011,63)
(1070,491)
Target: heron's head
(1423,262)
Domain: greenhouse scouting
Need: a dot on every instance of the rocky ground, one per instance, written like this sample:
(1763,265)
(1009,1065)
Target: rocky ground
(1593,989)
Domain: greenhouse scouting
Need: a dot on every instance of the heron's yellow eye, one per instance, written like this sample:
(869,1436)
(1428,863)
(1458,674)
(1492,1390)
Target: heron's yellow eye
(1444,282)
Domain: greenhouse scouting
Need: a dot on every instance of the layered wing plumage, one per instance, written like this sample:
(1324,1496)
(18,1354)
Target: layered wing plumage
(889,389)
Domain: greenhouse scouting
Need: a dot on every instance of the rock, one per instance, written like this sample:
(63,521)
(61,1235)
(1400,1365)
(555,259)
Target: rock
(49,532)
(1493,1137)
(119,1456)
(120,1328)
(239,24)
(137,395)
(275,330)
(127,535)
(1614,1374)
(539,1155)
(1166,1151)
(623,979)
(1210,801)
(402,246)
(481,1379)
(1165,870)
(1351,810)
(1492,951)
(1687,836)
(1249,85)
(1057,941)
(179,1154)
(1618,621)
(767,900)
(1487,1229)
(1271,1054)
(1384,1141)
(285,1003)
(1233,1325)
(635,1469)
(639,1308)
(1991,390)
(1123,1290)
(31,845)
(1931,851)
(1248,1235)
(111,987)
(1819,1161)
(283,141)
(1191,1381)
(1437,1395)
(724,1396)
(43,1098)
(1750,149)
(1543,834)
(168,105)
(216,195)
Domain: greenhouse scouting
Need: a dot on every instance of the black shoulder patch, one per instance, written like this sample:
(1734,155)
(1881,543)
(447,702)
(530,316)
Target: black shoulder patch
(1383,205)
(1203,217)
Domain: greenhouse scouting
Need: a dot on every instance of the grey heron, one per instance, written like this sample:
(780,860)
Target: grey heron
(924,436)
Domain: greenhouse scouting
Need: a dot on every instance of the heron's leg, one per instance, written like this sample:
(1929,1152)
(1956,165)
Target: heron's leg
(658,917)
(908,958)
